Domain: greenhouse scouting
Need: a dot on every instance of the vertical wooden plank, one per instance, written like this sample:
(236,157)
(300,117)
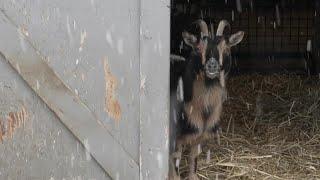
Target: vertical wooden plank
(154,83)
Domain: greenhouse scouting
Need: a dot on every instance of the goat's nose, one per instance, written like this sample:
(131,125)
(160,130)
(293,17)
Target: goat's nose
(211,64)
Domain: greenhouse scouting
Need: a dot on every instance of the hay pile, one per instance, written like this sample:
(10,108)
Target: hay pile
(271,130)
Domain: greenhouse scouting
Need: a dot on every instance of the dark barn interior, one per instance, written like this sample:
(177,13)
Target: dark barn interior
(271,120)
(280,34)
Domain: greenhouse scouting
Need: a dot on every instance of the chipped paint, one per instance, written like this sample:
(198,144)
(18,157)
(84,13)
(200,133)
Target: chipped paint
(143,84)
(82,77)
(24,31)
(109,38)
(160,48)
(112,105)
(120,47)
(74,25)
(83,37)
(72,160)
(160,160)
(18,68)
(13,121)
(92,3)
(87,148)
(117,176)
(22,40)
(69,30)
(37,84)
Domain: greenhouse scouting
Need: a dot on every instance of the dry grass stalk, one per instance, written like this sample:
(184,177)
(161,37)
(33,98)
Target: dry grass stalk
(272,130)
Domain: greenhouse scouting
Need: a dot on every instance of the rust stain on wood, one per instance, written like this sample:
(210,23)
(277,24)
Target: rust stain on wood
(11,123)
(111,103)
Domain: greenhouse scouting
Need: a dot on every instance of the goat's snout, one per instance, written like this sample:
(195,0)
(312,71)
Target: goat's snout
(212,68)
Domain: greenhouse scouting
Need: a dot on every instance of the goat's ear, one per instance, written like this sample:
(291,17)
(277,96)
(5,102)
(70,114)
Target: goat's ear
(235,38)
(189,39)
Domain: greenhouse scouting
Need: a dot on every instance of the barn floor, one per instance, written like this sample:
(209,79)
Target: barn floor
(271,130)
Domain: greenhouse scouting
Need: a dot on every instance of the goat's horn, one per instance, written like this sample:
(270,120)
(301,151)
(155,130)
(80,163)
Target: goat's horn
(221,27)
(203,27)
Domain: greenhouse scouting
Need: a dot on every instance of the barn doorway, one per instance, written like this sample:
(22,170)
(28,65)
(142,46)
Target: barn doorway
(271,119)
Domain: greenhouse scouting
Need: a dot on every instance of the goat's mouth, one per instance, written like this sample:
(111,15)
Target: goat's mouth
(212,68)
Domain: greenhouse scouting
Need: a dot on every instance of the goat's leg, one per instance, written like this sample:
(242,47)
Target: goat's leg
(178,149)
(176,156)
(173,173)
(175,159)
(214,129)
(193,160)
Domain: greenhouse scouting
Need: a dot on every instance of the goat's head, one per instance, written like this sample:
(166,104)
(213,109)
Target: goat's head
(212,50)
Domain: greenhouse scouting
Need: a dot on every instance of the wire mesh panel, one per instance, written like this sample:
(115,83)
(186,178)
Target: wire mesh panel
(277,31)
(274,28)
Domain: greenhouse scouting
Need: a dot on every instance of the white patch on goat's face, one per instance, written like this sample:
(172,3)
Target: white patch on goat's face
(212,68)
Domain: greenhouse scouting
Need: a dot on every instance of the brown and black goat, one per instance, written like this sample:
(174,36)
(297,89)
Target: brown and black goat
(204,89)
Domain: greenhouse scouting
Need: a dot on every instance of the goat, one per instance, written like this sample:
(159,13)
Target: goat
(204,89)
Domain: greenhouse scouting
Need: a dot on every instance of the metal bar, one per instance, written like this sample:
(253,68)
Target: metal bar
(307,19)
(265,34)
(17,48)
(248,28)
(281,35)
(298,50)
(256,15)
(274,26)
(316,37)
(290,20)
(239,26)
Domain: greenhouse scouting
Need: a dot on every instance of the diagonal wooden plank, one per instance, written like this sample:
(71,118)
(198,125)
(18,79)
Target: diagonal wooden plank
(77,117)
